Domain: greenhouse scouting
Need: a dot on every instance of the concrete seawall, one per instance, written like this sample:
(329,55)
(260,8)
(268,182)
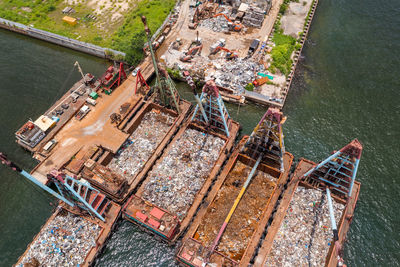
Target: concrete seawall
(60,40)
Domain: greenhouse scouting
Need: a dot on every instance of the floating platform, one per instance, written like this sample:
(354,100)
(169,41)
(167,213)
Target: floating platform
(180,178)
(243,232)
(137,155)
(56,244)
(280,230)
(64,109)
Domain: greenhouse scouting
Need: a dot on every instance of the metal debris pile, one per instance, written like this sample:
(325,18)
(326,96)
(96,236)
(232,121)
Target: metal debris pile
(305,235)
(139,147)
(176,179)
(237,74)
(254,17)
(65,241)
(217,24)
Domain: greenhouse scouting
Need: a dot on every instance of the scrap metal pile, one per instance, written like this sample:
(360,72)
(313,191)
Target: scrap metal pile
(179,175)
(236,74)
(217,24)
(235,240)
(139,147)
(65,241)
(305,235)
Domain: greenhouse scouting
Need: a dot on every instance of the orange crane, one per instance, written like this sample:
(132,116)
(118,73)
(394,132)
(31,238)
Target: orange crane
(237,27)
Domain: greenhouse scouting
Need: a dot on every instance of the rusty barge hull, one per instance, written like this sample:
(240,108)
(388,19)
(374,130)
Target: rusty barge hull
(106,228)
(343,225)
(187,254)
(129,210)
(129,125)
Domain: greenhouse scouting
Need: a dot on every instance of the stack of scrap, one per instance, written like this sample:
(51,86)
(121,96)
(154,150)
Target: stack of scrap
(176,179)
(139,147)
(65,241)
(217,24)
(237,74)
(254,17)
(305,235)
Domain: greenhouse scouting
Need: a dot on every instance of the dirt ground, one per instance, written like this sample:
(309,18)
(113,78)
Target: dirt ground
(245,219)
(294,18)
(94,129)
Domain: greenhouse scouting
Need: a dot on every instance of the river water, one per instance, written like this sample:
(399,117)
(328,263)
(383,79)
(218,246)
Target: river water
(346,86)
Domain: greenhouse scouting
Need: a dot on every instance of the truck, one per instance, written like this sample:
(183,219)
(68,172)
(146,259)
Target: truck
(82,112)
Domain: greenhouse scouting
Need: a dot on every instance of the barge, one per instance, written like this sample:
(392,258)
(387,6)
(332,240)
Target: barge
(304,230)
(77,231)
(33,135)
(151,129)
(180,178)
(250,183)
(79,239)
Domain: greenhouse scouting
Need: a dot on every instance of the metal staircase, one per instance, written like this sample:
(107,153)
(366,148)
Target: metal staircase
(71,191)
(267,139)
(216,116)
(338,171)
(85,196)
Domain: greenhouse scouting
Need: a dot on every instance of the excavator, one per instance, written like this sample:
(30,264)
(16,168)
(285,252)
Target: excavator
(237,27)
(192,51)
(229,54)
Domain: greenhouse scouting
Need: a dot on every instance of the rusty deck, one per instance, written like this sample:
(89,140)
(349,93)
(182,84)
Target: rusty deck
(111,217)
(190,242)
(343,226)
(229,142)
(129,127)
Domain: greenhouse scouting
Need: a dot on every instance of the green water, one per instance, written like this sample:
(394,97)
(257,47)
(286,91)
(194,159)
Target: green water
(346,86)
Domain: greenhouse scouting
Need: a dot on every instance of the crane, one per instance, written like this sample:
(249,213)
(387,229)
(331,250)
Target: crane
(75,193)
(165,90)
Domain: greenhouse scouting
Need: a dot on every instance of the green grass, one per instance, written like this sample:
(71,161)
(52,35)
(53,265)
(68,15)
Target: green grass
(130,37)
(127,36)
(12,10)
(283,49)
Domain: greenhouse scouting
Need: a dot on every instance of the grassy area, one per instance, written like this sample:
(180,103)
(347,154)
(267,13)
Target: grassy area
(130,38)
(282,51)
(117,25)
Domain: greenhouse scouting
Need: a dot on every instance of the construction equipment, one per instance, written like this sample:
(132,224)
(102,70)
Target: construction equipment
(191,83)
(332,216)
(260,81)
(337,171)
(142,83)
(186,58)
(267,139)
(165,91)
(216,113)
(112,78)
(229,54)
(233,26)
(77,194)
(233,208)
